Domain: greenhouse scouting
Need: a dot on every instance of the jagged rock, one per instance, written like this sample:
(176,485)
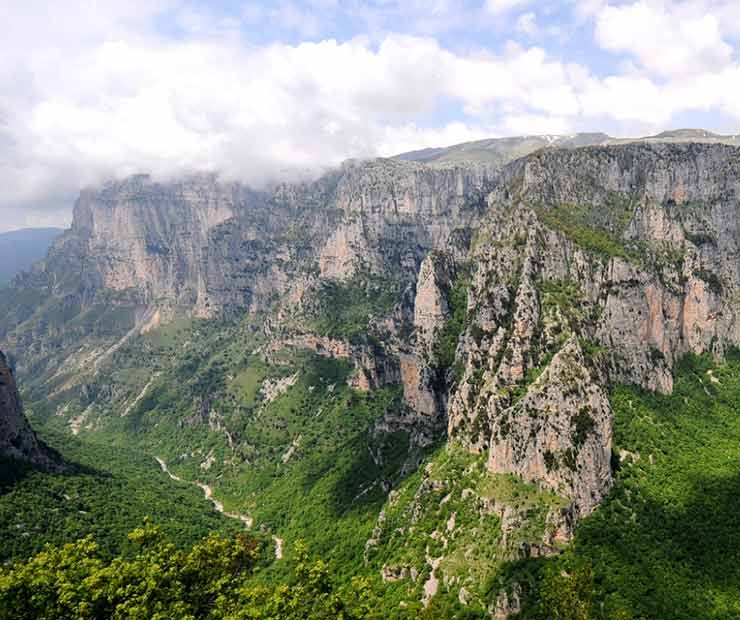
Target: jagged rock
(17,438)
(431,305)
(419,373)
(661,284)
(629,250)
(559,434)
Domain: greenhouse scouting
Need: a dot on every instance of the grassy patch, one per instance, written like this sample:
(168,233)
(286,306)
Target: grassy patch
(601,238)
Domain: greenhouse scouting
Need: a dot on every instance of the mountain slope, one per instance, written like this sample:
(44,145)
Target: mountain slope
(304,351)
(17,439)
(104,492)
(94,491)
(658,546)
(498,152)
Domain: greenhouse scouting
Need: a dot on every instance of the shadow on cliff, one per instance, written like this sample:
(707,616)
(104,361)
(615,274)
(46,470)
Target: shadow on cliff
(376,465)
(348,476)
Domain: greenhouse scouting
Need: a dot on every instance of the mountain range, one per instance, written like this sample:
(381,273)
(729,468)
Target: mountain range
(482,364)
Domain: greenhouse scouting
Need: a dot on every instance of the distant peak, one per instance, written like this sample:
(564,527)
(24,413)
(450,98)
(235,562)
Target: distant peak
(687,134)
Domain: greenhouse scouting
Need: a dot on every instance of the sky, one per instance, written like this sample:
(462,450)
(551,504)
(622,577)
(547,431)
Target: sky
(281,89)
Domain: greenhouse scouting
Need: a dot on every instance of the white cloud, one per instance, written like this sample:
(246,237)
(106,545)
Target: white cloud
(626,98)
(502,6)
(103,93)
(667,39)
(125,105)
(526,23)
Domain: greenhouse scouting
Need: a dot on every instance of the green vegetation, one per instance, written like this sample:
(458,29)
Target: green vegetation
(667,254)
(326,466)
(105,493)
(664,544)
(446,344)
(602,238)
(565,307)
(155,580)
(445,511)
(302,457)
(345,308)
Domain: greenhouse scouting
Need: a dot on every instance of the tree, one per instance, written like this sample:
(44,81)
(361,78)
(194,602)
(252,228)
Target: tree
(566,595)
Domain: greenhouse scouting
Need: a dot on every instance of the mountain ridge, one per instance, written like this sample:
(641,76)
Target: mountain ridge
(399,307)
(500,151)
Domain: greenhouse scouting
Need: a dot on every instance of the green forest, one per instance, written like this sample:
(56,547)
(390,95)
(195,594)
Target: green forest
(664,545)
(105,492)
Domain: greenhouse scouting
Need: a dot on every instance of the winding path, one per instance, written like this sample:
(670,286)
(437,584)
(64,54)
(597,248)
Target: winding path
(219,506)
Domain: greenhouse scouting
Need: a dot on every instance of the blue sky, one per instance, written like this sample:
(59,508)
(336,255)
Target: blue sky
(262,91)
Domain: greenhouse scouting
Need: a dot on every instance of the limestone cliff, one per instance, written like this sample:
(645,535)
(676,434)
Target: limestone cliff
(629,253)
(209,246)
(615,260)
(17,439)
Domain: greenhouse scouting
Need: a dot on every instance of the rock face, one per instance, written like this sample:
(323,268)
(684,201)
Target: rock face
(17,439)
(139,248)
(616,259)
(586,266)
(431,305)
(164,242)
(207,246)
(559,433)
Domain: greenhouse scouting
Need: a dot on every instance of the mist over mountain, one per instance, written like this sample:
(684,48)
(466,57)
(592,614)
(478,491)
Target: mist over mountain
(19,249)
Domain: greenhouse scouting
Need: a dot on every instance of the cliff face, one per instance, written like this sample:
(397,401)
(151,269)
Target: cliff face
(141,251)
(162,242)
(594,266)
(584,267)
(206,246)
(17,439)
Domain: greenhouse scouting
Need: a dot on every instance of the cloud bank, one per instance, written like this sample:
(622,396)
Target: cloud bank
(166,87)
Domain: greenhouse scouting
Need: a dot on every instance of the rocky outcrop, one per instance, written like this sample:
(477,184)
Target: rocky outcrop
(615,261)
(559,434)
(620,251)
(17,438)
(420,372)
(431,305)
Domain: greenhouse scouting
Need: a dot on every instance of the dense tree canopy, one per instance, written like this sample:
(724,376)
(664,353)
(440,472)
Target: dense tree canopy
(158,581)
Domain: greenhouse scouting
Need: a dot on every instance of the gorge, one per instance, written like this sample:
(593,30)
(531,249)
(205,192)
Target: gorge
(428,367)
